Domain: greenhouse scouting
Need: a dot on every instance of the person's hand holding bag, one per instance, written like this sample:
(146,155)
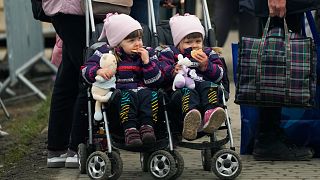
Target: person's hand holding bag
(277,8)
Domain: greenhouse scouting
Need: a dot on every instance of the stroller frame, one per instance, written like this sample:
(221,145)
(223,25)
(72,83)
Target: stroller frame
(225,163)
(100,157)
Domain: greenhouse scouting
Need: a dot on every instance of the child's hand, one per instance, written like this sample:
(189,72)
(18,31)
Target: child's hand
(202,58)
(177,68)
(144,54)
(105,73)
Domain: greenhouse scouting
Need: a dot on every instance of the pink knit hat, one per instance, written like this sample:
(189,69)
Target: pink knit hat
(118,26)
(181,26)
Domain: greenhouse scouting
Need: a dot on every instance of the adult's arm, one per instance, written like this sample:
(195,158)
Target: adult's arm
(260,7)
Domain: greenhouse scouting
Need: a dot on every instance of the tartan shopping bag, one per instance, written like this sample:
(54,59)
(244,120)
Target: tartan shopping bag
(301,125)
(276,70)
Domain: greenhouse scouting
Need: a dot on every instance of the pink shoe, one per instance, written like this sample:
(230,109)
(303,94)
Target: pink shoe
(191,124)
(213,118)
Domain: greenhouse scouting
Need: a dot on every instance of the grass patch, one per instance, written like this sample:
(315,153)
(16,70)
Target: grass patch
(23,130)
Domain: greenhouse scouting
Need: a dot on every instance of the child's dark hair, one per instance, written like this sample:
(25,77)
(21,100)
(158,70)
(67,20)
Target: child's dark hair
(193,35)
(134,34)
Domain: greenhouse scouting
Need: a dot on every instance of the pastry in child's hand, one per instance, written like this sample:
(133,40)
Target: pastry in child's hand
(195,52)
(217,50)
(134,50)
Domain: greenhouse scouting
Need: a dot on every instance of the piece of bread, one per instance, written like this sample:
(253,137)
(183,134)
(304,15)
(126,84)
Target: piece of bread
(218,50)
(195,52)
(134,50)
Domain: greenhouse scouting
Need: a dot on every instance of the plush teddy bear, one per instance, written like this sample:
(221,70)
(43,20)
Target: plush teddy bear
(184,77)
(101,88)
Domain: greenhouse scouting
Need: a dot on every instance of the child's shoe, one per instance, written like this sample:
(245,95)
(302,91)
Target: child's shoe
(147,134)
(191,124)
(56,159)
(213,118)
(72,160)
(132,138)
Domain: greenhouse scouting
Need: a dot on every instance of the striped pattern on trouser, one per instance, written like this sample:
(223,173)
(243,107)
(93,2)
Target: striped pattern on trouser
(138,108)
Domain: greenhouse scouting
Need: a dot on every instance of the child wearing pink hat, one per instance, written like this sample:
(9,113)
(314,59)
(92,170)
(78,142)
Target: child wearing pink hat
(202,101)
(138,77)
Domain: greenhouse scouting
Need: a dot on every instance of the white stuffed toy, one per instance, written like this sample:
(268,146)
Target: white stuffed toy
(101,88)
(185,76)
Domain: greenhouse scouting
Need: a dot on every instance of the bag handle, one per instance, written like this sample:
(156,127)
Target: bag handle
(286,37)
(262,44)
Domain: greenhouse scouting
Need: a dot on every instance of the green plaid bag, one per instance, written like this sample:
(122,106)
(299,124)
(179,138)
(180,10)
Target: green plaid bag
(277,70)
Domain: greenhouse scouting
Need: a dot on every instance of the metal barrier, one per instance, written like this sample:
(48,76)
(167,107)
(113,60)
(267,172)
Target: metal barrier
(25,45)
(4,109)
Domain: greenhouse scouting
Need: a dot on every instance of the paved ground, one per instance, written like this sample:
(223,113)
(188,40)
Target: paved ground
(193,168)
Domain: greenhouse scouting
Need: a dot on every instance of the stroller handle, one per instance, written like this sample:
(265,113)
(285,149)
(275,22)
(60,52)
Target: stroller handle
(89,20)
(91,24)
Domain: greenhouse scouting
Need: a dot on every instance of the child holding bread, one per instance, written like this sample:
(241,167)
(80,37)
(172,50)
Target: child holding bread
(202,101)
(137,76)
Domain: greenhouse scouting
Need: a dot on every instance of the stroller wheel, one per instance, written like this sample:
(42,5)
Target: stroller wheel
(98,165)
(144,156)
(162,165)
(226,164)
(83,155)
(116,165)
(179,164)
(206,159)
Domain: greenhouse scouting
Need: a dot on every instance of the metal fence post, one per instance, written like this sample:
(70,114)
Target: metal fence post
(25,44)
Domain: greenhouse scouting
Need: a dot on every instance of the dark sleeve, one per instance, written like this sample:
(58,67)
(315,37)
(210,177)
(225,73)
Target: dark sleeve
(167,61)
(91,66)
(214,70)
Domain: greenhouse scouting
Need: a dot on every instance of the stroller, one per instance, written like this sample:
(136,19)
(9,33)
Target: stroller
(225,163)
(100,157)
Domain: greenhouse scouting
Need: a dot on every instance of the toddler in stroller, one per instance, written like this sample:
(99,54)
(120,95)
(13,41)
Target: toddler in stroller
(188,35)
(137,76)
(133,108)
(207,99)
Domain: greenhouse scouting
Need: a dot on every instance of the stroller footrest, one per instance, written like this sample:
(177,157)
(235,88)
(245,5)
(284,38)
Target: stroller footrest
(204,145)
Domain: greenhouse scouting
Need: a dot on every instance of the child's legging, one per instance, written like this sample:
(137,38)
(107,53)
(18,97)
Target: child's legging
(138,108)
(203,97)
